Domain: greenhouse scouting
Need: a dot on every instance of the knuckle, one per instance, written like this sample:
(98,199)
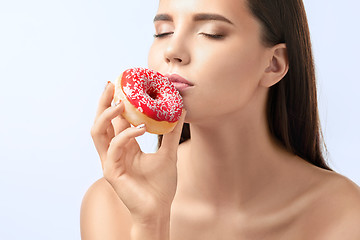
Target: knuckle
(94,131)
(116,141)
(126,133)
(120,139)
(108,114)
(107,111)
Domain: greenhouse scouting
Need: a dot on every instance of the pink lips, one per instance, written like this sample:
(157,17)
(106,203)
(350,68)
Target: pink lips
(179,82)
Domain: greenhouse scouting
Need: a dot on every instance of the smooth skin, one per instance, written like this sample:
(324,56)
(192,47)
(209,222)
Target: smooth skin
(232,180)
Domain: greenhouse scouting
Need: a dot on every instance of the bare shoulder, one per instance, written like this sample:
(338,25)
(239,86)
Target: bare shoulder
(103,215)
(334,212)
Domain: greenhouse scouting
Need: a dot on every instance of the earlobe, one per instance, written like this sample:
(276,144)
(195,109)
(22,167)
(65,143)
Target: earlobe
(278,65)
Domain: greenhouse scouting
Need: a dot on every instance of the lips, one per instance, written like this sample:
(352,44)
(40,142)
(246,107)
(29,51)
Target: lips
(179,82)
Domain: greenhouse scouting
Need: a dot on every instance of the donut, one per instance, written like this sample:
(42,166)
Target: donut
(150,99)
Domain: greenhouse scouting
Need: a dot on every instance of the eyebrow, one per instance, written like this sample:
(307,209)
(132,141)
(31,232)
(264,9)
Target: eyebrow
(197,17)
(163,17)
(211,17)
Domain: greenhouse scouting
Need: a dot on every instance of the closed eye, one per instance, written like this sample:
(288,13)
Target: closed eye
(161,35)
(213,36)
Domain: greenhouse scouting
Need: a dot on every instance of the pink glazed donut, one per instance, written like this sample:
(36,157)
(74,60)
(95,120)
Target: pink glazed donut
(150,99)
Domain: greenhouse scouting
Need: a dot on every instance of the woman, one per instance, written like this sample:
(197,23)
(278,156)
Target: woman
(253,167)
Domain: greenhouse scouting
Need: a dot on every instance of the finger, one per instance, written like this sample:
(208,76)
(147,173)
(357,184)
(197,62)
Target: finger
(105,99)
(102,131)
(120,124)
(103,122)
(170,141)
(118,146)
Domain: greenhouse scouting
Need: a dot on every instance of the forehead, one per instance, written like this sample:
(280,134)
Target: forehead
(234,9)
(237,11)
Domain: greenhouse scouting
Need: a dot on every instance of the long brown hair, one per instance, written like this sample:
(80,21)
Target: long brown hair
(292,110)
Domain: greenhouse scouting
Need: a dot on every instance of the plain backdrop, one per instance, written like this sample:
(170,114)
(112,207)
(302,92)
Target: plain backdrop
(55,58)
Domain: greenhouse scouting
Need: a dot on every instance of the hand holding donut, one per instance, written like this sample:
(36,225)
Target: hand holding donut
(146,183)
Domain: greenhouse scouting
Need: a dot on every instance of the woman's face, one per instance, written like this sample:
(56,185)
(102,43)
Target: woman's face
(215,45)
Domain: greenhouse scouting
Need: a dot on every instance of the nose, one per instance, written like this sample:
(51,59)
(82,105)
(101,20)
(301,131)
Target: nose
(177,52)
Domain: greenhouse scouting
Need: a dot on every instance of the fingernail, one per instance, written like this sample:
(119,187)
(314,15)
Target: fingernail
(140,126)
(114,104)
(107,84)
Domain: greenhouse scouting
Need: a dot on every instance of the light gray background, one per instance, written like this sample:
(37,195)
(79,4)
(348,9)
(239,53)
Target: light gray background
(55,58)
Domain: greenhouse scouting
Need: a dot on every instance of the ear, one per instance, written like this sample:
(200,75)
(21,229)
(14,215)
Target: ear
(277,67)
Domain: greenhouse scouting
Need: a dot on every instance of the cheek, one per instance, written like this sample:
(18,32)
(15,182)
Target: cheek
(154,58)
(228,77)
(235,59)
(234,70)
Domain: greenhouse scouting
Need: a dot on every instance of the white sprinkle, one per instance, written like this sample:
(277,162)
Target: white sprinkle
(140,126)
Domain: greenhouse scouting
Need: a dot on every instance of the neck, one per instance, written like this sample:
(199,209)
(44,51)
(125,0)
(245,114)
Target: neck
(230,163)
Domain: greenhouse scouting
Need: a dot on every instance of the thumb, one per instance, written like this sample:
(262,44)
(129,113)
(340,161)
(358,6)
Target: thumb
(170,141)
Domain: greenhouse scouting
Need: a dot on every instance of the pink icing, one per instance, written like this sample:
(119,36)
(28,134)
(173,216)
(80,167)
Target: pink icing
(152,94)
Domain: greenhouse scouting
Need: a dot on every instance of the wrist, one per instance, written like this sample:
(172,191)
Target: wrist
(154,228)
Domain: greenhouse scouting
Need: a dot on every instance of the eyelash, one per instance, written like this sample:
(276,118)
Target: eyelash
(214,36)
(161,35)
(211,36)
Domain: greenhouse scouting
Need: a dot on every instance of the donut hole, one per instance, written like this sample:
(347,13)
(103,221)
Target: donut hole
(152,93)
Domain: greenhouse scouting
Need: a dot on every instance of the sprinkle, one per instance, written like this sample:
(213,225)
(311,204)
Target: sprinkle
(141,126)
(152,93)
